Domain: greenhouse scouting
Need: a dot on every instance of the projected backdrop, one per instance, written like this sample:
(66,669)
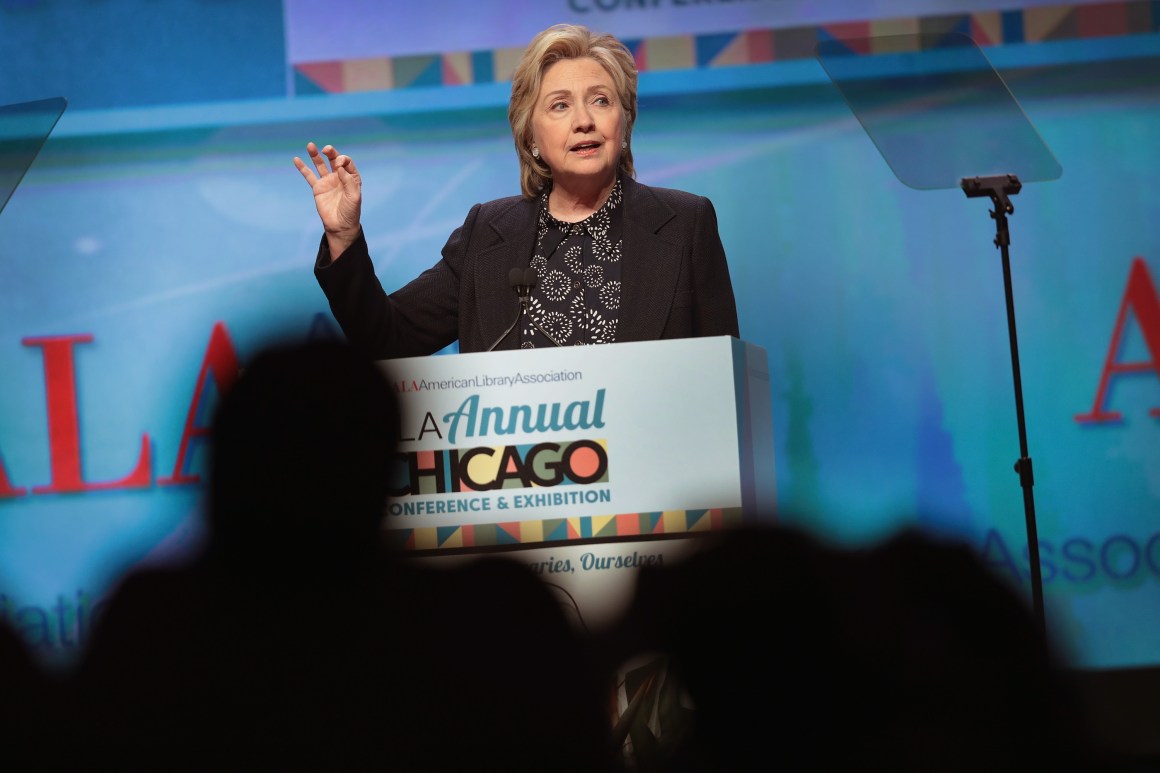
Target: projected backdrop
(163,234)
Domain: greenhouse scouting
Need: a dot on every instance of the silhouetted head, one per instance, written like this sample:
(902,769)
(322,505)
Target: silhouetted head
(960,673)
(301,448)
(748,621)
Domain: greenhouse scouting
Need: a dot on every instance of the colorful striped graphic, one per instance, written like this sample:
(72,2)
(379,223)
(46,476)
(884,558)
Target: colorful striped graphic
(565,529)
(746,47)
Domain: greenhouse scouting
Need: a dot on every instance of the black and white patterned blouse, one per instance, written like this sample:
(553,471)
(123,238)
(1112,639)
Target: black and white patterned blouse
(576,298)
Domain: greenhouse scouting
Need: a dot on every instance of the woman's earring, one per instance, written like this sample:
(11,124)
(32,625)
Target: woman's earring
(535,152)
(623,144)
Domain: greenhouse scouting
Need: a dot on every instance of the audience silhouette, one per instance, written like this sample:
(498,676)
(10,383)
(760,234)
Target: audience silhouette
(272,648)
(297,639)
(29,701)
(908,656)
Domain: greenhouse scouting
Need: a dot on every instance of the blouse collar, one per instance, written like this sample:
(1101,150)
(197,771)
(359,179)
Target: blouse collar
(547,219)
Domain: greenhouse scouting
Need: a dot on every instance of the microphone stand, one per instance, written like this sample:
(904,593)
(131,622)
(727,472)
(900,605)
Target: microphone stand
(521,281)
(998,188)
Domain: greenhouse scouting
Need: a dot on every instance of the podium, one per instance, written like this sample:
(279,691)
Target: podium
(586,463)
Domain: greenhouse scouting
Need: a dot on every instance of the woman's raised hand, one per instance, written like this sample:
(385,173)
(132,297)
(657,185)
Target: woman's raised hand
(337,194)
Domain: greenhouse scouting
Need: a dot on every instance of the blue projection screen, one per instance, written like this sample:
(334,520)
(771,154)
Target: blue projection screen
(145,248)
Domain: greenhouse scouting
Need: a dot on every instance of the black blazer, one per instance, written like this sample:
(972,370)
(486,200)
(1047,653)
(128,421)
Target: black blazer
(675,281)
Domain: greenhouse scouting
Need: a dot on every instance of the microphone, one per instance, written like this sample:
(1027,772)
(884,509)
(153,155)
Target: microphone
(522,281)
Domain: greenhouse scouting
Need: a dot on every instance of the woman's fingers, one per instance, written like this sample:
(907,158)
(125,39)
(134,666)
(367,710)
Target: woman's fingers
(328,159)
(325,161)
(317,157)
(346,163)
(305,170)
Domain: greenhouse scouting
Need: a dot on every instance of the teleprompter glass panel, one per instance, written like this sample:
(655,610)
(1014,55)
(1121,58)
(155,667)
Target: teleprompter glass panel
(936,109)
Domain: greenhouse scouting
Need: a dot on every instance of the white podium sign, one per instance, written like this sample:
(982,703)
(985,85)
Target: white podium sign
(581,444)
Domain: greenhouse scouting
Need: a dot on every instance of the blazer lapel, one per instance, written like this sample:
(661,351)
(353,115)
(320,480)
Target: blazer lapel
(651,267)
(514,232)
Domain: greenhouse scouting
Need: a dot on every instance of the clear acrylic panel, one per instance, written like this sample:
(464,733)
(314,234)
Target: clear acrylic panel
(23,129)
(936,109)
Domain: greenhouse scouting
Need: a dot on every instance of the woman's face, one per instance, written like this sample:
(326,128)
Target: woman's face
(578,123)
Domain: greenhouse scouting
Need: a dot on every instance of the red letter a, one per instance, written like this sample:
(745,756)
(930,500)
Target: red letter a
(64,436)
(222,360)
(1140,296)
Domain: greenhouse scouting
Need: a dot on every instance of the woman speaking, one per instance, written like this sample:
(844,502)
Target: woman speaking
(602,257)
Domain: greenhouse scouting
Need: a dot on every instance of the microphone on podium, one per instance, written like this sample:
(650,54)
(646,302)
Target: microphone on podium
(522,281)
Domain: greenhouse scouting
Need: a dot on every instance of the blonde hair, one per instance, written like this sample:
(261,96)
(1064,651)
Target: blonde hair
(566,41)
